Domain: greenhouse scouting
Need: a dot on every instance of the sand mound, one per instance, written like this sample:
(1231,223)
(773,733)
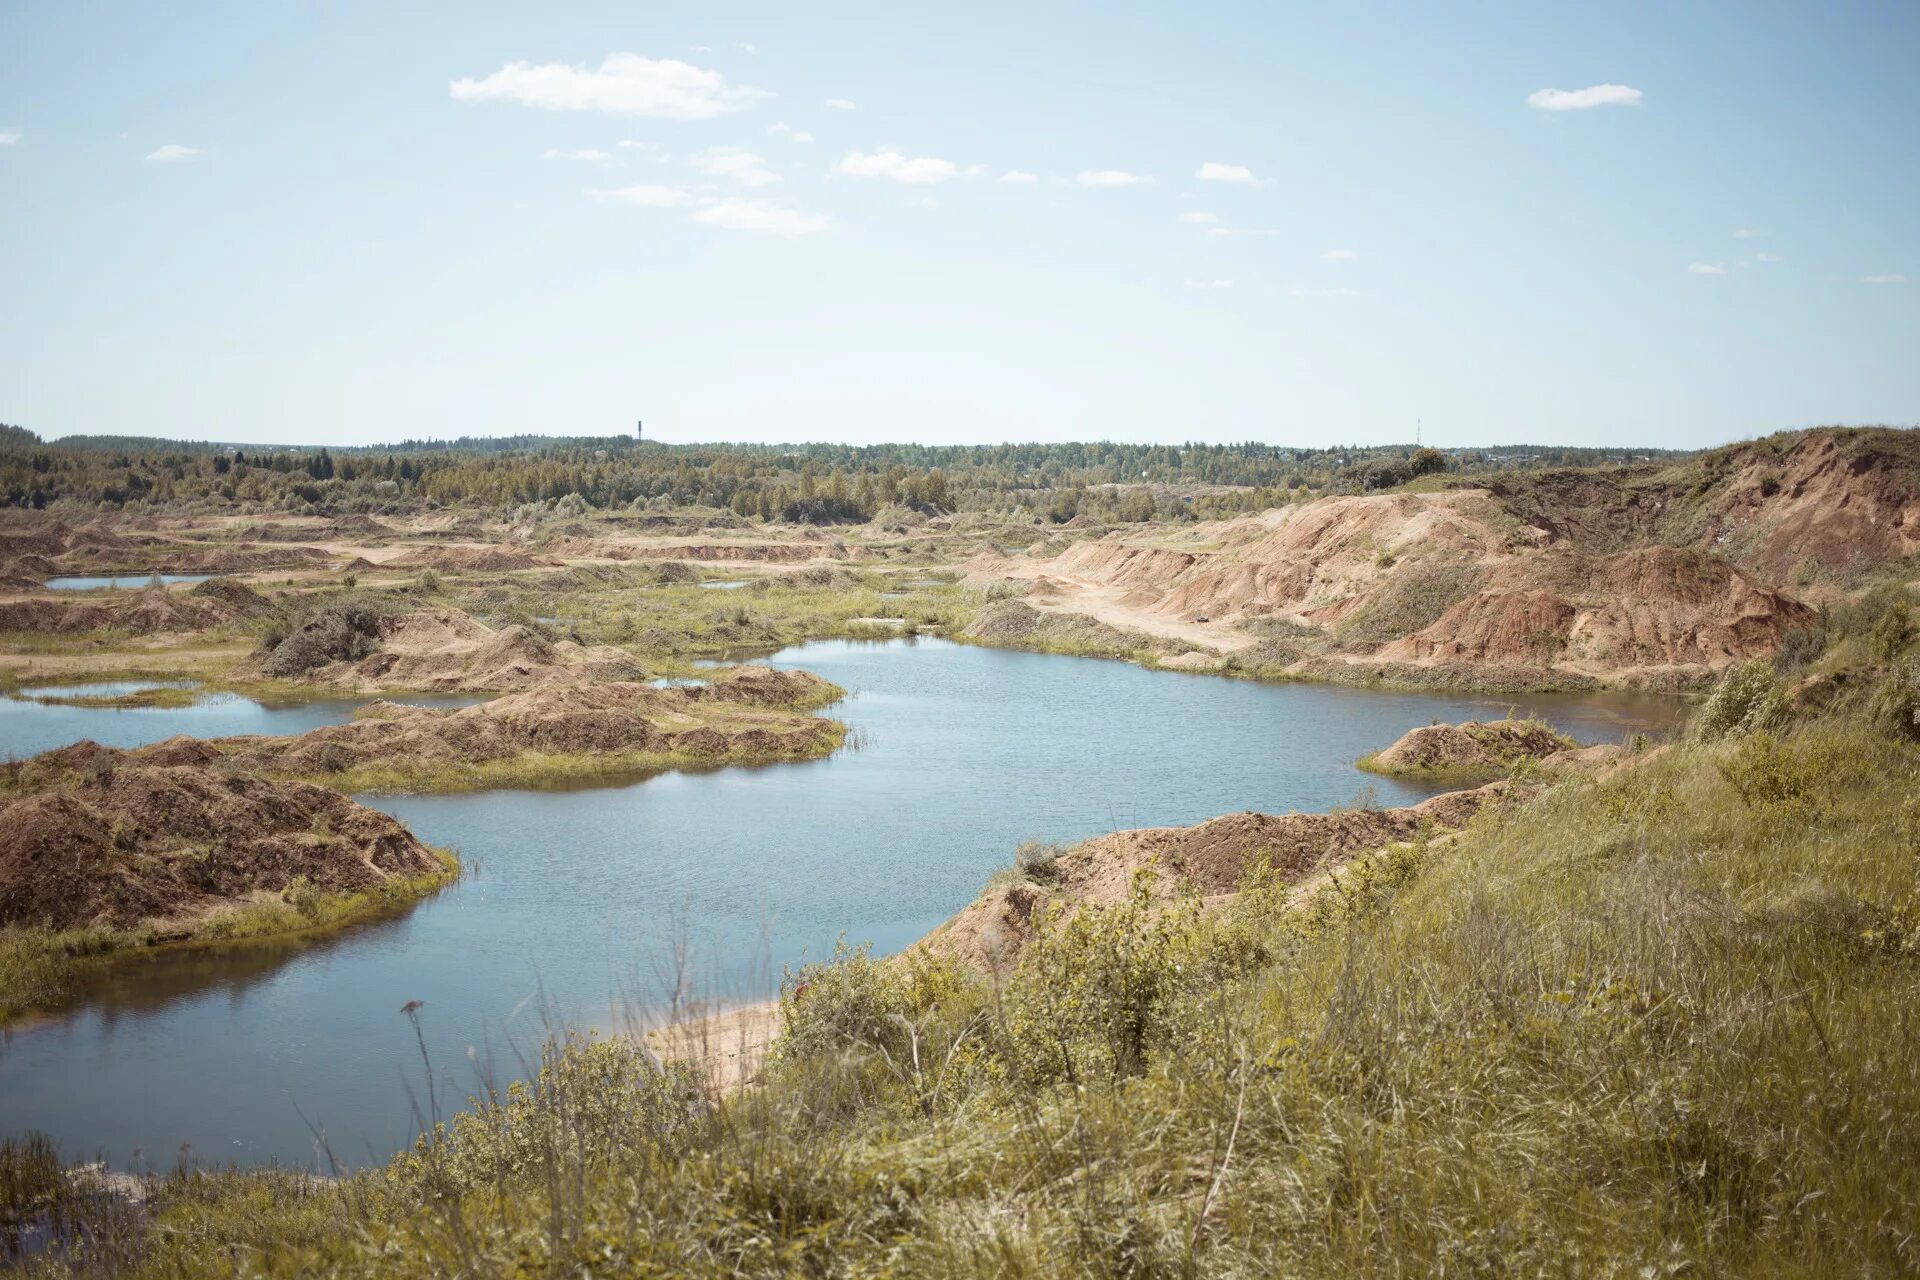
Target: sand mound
(1477,747)
(127,840)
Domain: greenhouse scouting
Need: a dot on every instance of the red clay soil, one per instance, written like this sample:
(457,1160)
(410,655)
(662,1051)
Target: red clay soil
(105,838)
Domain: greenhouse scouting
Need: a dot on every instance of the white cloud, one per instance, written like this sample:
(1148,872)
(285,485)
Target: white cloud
(791,133)
(1019,176)
(1599,95)
(914,171)
(757,215)
(1324,293)
(1744,233)
(637,144)
(649,195)
(1890,278)
(1236,233)
(591,154)
(838,104)
(1214,171)
(1768,257)
(1707,269)
(737,163)
(744,47)
(1337,255)
(1209,284)
(9,137)
(624,84)
(1195,218)
(701,48)
(172,153)
(1111,178)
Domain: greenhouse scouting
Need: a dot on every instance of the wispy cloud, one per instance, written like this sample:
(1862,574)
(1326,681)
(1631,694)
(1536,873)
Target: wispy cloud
(1198,218)
(1019,176)
(623,84)
(649,195)
(736,214)
(783,129)
(172,153)
(1324,293)
(1599,95)
(838,104)
(1768,257)
(591,154)
(637,144)
(912,170)
(1214,171)
(1111,178)
(735,163)
(1744,233)
(1706,268)
(746,48)
(1889,278)
(1209,284)
(9,137)
(1337,255)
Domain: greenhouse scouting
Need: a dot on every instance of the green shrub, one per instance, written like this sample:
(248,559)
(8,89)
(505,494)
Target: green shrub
(1746,700)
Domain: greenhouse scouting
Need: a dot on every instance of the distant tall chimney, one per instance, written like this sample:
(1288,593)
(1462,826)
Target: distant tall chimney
(637,424)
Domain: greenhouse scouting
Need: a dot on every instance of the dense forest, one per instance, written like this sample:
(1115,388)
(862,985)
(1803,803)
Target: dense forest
(802,483)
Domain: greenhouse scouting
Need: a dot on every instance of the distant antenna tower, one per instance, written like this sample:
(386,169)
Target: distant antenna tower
(637,424)
(1416,433)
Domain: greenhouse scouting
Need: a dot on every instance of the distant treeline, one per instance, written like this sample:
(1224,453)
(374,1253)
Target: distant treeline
(810,483)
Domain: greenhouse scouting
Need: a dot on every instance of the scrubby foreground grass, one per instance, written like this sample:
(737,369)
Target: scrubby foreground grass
(1656,1024)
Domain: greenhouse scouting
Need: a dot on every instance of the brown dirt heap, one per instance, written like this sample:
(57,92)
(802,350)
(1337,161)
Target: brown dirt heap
(1211,857)
(152,611)
(745,714)
(98,837)
(446,651)
(1476,748)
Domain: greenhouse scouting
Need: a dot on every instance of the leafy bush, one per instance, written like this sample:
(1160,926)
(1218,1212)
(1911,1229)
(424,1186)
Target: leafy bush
(343,629)
(1746,700)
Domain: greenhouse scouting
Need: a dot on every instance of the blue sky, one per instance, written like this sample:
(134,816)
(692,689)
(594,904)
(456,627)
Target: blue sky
(332,221)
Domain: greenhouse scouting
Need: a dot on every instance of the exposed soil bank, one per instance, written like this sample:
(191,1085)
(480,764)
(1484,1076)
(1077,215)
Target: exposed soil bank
(1478,749)
(104,851)
(747,715)
(434,650)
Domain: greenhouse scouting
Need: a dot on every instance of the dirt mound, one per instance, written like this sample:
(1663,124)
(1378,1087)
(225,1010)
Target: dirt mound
(126,841)
(1477,748)
(821,576)
(437,650)
(502,559)
(734,718)
(1211,857)
(152,611)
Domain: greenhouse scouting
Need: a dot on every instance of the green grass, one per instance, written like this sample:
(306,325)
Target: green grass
(1661,1024)
(537,770)
(38,967)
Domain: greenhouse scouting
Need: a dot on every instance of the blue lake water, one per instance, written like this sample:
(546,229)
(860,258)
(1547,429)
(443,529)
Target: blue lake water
(576,899)
(127,581)
(28,727)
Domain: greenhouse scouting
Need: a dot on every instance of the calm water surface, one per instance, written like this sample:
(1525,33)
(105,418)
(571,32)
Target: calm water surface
(123,580)
(575,898)
(28,727)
